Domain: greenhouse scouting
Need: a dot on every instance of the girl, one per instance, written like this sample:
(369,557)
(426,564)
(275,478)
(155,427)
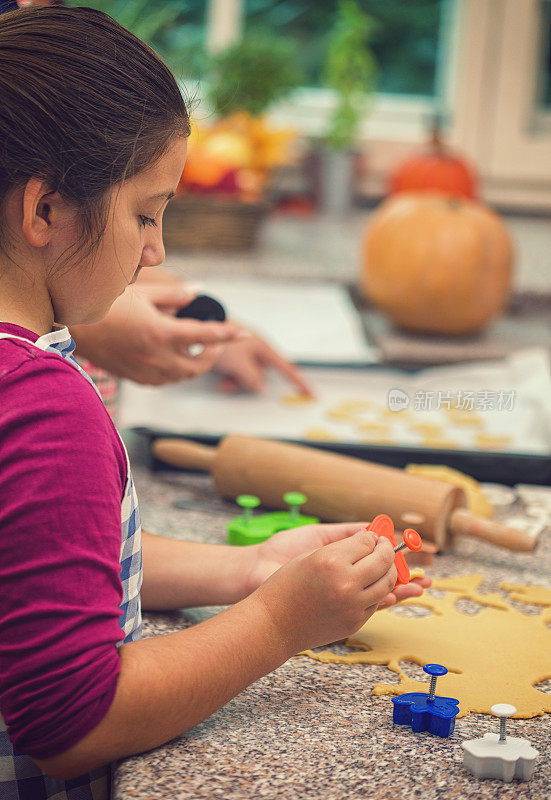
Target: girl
(93,138)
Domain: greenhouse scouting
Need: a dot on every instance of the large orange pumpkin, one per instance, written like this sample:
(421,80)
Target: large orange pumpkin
(437,264)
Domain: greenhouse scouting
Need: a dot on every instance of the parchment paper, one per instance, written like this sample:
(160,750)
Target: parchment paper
(196,408)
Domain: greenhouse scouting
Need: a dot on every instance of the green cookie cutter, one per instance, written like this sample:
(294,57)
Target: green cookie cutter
(249,529)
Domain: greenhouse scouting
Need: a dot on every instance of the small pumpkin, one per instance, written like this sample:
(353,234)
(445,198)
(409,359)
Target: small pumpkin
(438,170)
(437,264)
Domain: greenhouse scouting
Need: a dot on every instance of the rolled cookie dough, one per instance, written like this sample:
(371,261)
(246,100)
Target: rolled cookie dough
(496,655)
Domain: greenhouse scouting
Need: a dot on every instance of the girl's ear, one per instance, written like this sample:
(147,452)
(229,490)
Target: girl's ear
(41,208)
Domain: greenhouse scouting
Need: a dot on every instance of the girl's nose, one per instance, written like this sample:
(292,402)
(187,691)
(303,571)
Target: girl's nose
(153,253)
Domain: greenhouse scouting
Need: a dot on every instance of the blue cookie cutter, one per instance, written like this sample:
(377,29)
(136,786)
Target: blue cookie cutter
(424,712)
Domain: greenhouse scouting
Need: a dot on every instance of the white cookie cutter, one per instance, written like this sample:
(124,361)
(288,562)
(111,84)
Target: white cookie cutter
(498,756)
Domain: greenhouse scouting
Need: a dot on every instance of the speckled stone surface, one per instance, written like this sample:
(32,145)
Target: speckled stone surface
(312,730)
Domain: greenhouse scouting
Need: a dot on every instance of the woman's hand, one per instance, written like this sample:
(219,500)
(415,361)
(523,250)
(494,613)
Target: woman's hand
(268,557)
(244,365)
(141,339)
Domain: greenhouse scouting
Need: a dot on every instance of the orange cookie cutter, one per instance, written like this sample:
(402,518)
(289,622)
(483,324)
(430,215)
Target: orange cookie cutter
(382,525)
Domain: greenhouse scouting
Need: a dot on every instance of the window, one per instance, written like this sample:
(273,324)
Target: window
(405,41)
(176,30)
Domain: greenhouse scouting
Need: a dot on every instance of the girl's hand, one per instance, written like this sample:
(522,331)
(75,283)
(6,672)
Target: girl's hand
(243,365)
(272,554)
(328,594)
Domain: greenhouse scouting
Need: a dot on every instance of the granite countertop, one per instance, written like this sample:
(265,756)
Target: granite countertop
(313,730)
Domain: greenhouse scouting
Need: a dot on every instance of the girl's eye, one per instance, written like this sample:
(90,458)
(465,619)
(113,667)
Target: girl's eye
(147,221)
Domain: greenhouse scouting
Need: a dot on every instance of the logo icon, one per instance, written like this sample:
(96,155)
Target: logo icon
(398,400)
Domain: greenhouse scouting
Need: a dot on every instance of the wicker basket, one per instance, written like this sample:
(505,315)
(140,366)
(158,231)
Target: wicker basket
(199,222)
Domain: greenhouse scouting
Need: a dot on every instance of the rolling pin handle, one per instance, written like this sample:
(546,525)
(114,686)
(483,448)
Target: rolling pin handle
(464,522)
(184,454)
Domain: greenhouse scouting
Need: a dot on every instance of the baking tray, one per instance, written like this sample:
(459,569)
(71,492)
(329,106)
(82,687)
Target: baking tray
(505,467)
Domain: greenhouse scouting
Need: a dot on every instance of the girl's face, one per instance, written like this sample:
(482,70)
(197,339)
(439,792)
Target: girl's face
(132,240)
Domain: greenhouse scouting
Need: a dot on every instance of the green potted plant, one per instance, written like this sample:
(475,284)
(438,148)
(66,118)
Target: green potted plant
(223,193)
(253,74)
(350,70)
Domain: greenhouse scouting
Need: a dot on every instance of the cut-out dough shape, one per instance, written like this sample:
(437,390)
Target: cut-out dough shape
(535,595)
(373,427)
(297,399)
(319,435)
(498,653)
(427,429)
(342,416)
(355,406)
(487,441)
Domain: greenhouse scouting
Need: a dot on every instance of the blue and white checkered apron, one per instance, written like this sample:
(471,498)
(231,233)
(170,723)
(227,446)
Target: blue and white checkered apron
(20,778)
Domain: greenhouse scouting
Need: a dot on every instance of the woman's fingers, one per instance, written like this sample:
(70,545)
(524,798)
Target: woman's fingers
(182,366)
(386,602)
(185,332)
(270,358)
(167,297)
(251,376)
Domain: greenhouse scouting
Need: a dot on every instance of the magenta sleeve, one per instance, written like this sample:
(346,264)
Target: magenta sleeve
(62,475)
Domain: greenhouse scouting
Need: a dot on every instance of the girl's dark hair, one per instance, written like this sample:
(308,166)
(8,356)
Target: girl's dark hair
(84,105)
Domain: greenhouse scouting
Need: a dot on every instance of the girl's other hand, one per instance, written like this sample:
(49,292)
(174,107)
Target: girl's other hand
(268,557)
(328,594)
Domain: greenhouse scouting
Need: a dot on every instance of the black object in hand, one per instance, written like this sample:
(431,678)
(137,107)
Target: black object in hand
(203,308)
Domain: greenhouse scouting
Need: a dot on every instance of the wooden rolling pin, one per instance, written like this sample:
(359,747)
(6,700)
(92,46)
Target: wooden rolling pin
(338,488)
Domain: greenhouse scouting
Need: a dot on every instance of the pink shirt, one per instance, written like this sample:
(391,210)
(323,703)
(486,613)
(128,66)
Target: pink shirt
(62,477)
